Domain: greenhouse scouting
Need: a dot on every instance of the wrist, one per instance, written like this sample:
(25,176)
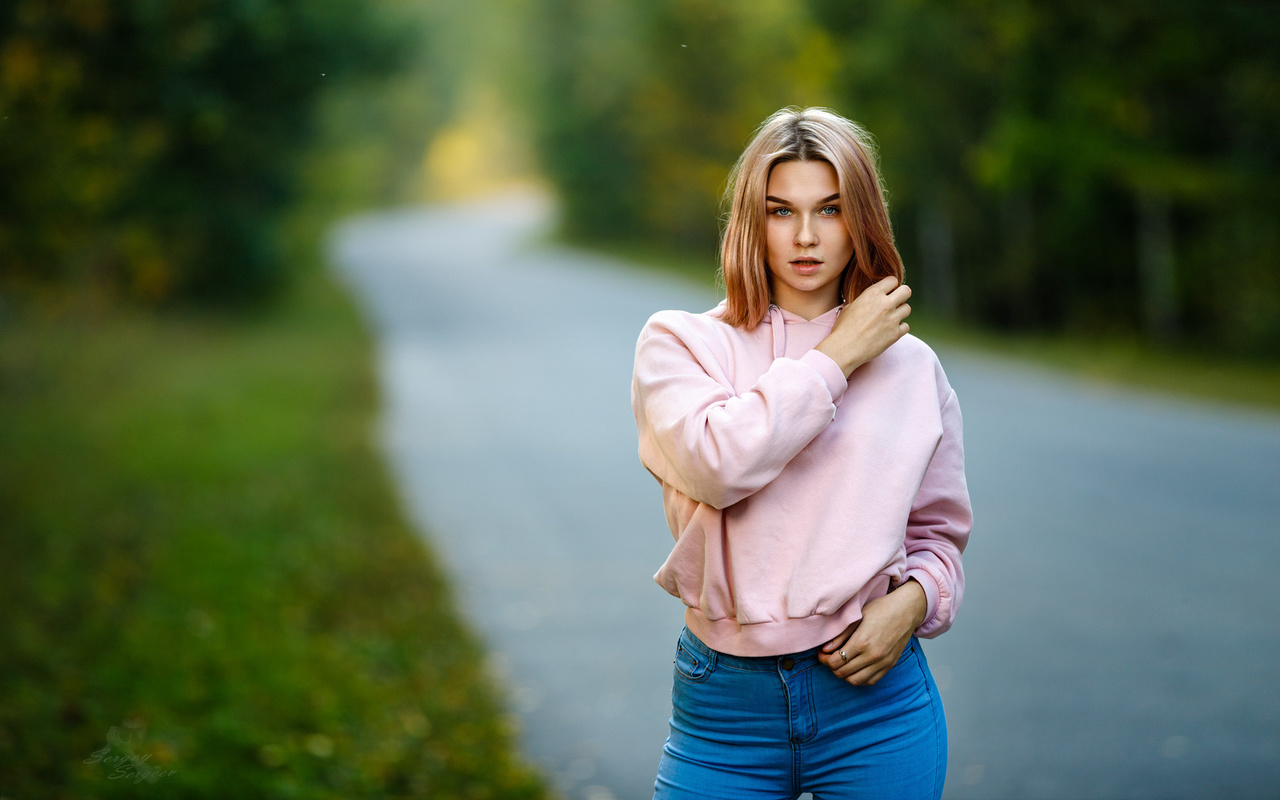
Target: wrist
(913,600)
(833,352)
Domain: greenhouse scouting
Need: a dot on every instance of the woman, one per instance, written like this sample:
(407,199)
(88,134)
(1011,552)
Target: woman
(812,471)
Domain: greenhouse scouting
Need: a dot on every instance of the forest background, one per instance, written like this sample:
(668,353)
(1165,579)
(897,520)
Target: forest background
(1051,166)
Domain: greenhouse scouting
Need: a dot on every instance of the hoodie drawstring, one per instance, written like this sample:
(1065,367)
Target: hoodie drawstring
(779,326)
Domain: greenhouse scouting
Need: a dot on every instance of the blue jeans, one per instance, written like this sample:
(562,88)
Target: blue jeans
(778,726)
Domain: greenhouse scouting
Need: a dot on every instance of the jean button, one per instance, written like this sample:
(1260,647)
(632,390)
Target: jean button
(788,663)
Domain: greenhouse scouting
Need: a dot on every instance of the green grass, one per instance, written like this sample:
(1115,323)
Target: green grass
(1110,359)
(1123,361)
(208,586)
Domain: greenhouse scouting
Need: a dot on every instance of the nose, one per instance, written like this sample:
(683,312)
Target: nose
(806,233)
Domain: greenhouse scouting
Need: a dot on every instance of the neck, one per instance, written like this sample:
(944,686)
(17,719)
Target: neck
(807,305)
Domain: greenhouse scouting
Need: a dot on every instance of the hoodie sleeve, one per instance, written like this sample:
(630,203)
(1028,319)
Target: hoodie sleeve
(711,444)
(938,527)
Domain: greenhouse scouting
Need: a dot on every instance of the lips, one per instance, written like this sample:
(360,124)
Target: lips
(806,266)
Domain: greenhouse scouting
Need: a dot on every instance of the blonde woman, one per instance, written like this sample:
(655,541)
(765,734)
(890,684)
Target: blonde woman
(812,471)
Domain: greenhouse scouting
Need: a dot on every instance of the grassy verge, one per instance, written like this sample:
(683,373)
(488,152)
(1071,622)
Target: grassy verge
(1124,361)
(1114,360)
(208,588)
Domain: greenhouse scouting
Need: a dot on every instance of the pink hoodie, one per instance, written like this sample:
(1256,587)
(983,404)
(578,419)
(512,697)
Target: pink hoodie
(795,497)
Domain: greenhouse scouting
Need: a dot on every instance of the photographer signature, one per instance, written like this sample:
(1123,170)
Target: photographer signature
(119,754)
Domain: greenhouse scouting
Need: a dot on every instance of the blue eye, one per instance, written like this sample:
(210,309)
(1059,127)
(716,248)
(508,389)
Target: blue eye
(833,209)
(781,212)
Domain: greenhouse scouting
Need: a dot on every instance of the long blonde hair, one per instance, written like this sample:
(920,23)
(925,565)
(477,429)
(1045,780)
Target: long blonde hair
(803,134)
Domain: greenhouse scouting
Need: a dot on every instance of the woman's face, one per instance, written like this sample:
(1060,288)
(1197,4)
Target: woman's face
(806,241)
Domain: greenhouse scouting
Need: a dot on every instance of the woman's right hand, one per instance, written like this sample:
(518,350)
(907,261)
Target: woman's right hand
(867,326)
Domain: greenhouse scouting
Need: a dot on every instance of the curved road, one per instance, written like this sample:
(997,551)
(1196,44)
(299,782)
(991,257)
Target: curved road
(1121,630)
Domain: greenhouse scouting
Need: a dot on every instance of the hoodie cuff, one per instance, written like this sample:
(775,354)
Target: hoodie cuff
(930,586)
(829,370)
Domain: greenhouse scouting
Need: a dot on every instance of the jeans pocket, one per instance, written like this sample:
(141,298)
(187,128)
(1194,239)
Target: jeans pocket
(907,652)
(692,665)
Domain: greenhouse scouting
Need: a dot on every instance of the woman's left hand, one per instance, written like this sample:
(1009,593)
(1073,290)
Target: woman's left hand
(866,650)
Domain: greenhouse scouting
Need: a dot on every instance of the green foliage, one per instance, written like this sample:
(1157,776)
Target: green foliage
(642,108)
(157,143)
(1086,164)
(209,590)
(1051,165)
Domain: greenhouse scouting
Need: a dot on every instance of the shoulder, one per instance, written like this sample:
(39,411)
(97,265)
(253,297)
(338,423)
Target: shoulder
(911,354)
(676,340)
(910,350)
(688,326)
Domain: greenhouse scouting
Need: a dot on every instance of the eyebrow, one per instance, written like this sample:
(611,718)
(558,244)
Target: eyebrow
(771,198)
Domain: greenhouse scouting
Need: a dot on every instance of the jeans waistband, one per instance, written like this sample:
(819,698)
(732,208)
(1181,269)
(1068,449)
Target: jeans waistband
(750,663)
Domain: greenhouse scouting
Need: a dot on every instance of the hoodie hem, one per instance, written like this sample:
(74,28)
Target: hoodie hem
(782,637)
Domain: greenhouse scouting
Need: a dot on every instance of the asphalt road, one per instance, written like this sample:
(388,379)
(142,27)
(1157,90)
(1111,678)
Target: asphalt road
(1120,636)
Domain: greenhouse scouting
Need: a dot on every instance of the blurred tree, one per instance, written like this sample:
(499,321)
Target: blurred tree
(922,77)
(641,108)
(1050,165)
(1072,166)
(157,142)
